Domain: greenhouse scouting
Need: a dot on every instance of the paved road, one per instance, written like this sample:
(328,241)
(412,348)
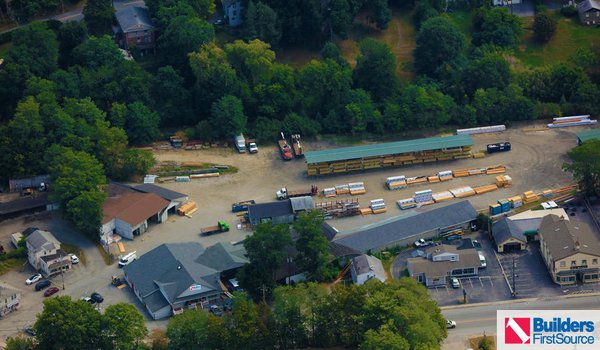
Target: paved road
(474,320)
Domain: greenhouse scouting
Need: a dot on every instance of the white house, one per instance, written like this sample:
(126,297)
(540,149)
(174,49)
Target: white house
(232,11)
(366,267)
(44,253)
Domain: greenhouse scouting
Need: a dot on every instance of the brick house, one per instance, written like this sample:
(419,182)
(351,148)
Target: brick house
(135,29)
(589,12)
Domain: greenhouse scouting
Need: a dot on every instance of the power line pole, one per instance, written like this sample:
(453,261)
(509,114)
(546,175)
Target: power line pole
(513,278)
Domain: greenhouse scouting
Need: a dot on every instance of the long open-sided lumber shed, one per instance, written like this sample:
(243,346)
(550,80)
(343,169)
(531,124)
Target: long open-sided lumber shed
(390,154)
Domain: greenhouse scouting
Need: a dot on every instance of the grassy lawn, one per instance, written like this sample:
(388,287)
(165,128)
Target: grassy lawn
(570,36)
(72,249)
(10,264)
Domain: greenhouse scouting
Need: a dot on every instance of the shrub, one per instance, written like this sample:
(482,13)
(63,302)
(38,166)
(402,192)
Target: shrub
(568,11)
(544,26)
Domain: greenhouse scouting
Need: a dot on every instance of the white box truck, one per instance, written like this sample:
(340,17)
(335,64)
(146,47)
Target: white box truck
(240,143)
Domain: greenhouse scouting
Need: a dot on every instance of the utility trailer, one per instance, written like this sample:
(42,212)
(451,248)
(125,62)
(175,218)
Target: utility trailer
(284,193)
(241,206)
(298,150)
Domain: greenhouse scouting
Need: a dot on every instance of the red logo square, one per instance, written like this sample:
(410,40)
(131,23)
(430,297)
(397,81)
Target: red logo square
(517,330)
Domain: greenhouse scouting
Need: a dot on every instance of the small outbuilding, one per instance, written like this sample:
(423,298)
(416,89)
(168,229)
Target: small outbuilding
(366,267)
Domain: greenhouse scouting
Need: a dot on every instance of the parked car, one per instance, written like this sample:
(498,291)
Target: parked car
(74,259)
(51,291)
(127,259)
(423,243)
(29,330)
(88,300)
(33,279)
(41,285)
(97,297)
(482,261)
(216,310)
(454,282)
(450,324)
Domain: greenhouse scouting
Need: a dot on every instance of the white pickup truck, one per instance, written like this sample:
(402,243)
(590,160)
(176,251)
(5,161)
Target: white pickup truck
(423,243)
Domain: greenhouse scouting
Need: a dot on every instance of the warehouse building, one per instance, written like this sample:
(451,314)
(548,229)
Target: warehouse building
(588,135)
(453,219)
(390,154)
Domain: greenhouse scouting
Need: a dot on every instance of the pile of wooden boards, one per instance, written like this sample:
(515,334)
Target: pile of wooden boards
(329,192)
(529,197)
(395,182)
(202,176)
(407,203)
(498,169)
(503,181)
(572,121)
(442,196)
(357,188)
(398,182)
(416,180)
(342,189)
(378,206)
(485,189)
(462,192)
(187,208)
(516,201)
(425,196)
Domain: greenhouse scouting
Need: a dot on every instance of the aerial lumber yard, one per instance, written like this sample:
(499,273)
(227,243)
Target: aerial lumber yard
(348,159)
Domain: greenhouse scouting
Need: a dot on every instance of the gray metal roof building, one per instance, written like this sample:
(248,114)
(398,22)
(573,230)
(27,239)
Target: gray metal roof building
(279,212)
(161,192)
(403,230)
(382,149)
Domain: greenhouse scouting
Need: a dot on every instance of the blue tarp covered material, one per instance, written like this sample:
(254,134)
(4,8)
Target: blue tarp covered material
(382,149)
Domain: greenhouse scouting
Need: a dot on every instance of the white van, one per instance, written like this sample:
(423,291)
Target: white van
(127,259)
(482,261)
(240,143)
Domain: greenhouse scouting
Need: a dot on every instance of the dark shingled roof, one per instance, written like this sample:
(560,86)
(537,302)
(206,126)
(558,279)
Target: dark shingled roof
(564,238)
(160,191)
(269,210)
(389,232)
(504,229)
(223,256)
(23,204)
(587,5)
(134,19)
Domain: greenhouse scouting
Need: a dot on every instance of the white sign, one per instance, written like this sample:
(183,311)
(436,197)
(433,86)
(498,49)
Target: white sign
(195,287)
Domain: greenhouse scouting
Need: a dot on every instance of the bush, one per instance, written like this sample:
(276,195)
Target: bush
(544,26)
(485,344)
(568,11)
(5,37)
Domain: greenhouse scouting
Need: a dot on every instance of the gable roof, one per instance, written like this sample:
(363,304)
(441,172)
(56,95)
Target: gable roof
(223,256)
(505,229)
(539,214)
(365,263)
(171,267)
(302,203)
(160,191)
(134,19)
(387,233)
(43,240)
(269,210)
(564,238)
(585,6)
(132,207)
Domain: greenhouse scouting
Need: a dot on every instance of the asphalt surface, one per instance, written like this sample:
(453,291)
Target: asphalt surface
(474,320)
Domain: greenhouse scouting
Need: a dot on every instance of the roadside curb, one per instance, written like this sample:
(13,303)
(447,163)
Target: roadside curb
(518,301)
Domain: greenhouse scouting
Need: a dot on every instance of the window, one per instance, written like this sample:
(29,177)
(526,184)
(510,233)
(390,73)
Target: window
(594,261)
(573,263)
(563,264)
(583,262)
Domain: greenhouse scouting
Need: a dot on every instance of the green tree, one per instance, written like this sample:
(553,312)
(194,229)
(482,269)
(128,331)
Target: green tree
(98,51)
(252,61)
(98,16)
(141,124)
(227,117)
(124,326)
(35,46)
(290,321)
(246,328)
(188,330)
(183,35)
(295,123)
(69,325)
(499,106)
(85,210)
(360,114)
(204,8)
(426,107)
(171,98)
(340,17)
(133,161)
(20,343)
(261,23)
(490,71)
(485,343)
(380,13)
(266,251)
(265,129)
(439,43)
(312,246)
(544,26)
(375,70)
(496,26)
(585,165)
(384,339)
(12,84)
(70,35)
(332,51)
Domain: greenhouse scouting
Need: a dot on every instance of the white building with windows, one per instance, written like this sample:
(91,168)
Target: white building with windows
(232,12)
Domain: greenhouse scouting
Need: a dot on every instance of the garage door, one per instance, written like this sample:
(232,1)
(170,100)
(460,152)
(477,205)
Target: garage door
(511,247)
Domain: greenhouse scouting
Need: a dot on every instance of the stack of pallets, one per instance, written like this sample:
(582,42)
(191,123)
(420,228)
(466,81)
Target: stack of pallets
(529,197)
(378,206)
(357,188)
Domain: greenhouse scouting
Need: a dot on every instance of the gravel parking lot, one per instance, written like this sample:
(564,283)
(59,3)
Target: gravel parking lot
(534,164)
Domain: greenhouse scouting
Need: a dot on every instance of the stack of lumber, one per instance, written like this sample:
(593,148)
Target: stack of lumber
(515,201)
(342,189)
(485,189)
(572,121)
(329,192)
(366,211)
(462,192)
(416,180)
(407,203)
(547,193)
(201,176)
(442,196)
(461,173)
(529,197)
(357,188)
(423,196)
(499,169)
(503,181)
(433,179)
(378,206)
(478,155)
(477,171)
(396,182)
(445,175)
(187,208)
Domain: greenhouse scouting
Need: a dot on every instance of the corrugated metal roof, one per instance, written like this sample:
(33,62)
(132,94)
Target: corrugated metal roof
(160,191)
(390,232)
(588,135)
(269,210)
(381,149)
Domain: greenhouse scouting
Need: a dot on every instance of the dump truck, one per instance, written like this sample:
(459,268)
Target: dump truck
(241,206)
(251,146)
(284,148)
(298,150)
(498,147)
(222,226)
(284,193)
